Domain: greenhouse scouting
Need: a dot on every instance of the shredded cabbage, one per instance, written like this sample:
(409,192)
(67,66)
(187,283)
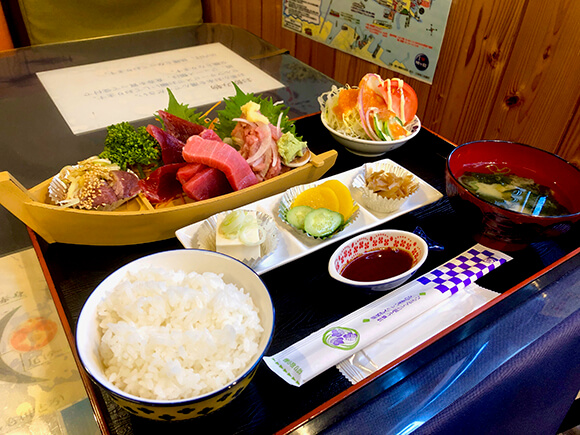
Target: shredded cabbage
(349,124)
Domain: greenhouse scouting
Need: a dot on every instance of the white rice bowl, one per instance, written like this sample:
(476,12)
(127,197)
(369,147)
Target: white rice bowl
(174,326)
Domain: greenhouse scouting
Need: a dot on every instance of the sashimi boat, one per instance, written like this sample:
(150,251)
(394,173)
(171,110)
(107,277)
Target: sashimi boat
(138,221)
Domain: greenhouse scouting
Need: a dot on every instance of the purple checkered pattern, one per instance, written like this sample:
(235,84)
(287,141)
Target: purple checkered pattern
(462,270)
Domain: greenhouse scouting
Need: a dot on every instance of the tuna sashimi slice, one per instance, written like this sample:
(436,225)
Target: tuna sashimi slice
(210,134)
(221,156)
(207,183)
(162,184)
(185,173)
(171,147)
(181,128)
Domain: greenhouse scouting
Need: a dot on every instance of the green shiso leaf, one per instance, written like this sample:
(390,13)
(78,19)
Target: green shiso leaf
(183,111)
(233,110)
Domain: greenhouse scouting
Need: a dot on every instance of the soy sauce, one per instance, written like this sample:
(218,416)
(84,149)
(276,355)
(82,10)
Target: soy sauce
(378,265)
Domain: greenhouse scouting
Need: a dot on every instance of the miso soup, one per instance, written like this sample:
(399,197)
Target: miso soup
(513,193)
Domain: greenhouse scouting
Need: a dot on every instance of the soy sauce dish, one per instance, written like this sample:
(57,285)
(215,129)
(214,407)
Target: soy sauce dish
(378,260)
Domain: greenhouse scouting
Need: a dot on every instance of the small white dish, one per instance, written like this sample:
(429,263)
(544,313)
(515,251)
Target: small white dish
(205,238)
(288,198)
(374,241)
(376,202)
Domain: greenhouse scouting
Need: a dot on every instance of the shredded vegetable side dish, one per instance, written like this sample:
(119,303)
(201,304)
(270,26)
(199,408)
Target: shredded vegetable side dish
(380,110)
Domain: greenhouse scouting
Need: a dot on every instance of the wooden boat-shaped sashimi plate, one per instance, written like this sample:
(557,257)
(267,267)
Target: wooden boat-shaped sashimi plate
(137,221)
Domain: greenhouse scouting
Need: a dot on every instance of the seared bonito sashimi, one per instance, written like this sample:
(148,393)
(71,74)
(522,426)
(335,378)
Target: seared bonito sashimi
(93,184)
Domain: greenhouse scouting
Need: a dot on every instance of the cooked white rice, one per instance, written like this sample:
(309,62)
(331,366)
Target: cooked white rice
(170,335)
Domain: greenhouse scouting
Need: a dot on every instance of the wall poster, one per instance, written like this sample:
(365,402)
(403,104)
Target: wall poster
(402,35)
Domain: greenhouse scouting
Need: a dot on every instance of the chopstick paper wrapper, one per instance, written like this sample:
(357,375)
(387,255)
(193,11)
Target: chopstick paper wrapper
(403,339)
(309,357)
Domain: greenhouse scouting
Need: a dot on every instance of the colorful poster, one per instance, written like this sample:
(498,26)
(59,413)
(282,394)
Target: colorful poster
(402,35)
(41,391)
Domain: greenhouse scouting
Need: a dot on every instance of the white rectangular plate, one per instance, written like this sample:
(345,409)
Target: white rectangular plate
(293,244)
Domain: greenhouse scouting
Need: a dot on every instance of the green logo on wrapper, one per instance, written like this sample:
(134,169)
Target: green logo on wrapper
(341,338)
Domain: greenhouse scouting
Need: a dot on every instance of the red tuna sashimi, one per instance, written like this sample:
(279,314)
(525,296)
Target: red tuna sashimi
(171,147)
(181,128)
(220,156)
(207,183)
(210,134)
(185,173)
(162,184)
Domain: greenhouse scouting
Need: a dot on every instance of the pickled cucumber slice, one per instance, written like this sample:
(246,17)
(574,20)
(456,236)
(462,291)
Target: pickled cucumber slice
(322,222)
(296,215)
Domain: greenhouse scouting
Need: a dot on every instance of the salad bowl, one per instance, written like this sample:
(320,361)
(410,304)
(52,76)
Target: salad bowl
(386,104)
(371,148)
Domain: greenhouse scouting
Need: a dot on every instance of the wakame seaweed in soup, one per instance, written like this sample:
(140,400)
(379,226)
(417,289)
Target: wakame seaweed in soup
(513,193)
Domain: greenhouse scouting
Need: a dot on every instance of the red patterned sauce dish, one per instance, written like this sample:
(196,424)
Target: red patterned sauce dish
(509,195)
(378,260)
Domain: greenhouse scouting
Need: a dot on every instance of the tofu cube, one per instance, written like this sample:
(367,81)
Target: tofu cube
(234,247)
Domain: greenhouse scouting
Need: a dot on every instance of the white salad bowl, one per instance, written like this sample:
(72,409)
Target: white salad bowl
(371,148)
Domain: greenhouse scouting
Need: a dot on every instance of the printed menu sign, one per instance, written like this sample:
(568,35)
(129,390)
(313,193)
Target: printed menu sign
(93,96)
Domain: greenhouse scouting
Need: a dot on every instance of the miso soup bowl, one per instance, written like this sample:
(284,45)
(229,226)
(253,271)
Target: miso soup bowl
(497,227)
(374,241)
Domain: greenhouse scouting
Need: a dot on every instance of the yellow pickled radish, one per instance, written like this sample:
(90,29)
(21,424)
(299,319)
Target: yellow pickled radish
(317,197)
(345,202)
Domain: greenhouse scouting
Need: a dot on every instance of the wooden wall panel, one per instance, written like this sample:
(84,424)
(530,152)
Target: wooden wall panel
(272,30)
(322,58)
(217,11)
(248,14)
(507,69)
(568,147)
(473,74)
(540,90)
